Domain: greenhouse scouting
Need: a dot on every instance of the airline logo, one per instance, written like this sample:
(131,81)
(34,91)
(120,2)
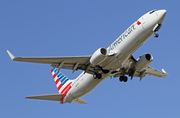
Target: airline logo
(138,22)
(122,37)
(62,82)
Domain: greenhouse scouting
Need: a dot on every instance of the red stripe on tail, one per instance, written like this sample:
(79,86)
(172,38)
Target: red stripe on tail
(51,70)
(54,75)
(64,95)
(66,87)
(57,81)
(59,87)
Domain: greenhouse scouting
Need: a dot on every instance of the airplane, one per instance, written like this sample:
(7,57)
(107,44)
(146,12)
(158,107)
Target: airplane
(115,61)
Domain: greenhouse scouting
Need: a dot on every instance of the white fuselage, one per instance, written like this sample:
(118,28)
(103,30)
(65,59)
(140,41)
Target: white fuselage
(123,47)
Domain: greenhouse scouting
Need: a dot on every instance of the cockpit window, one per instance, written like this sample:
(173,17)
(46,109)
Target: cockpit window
(152,11)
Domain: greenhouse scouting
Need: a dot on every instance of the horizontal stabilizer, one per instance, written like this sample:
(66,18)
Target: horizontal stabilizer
(79,101)
(53,97)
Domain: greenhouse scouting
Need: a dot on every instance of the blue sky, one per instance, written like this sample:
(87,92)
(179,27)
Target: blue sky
(73,28)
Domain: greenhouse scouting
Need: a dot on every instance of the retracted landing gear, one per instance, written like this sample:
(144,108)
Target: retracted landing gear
(123,78)
(97,75)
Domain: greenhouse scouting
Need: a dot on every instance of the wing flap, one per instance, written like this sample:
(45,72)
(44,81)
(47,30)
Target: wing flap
(53,97)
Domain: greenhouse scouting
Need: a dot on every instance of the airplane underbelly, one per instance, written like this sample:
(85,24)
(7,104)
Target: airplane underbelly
(84,85)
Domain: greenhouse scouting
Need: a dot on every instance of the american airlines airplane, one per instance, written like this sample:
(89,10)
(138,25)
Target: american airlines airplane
(115,61)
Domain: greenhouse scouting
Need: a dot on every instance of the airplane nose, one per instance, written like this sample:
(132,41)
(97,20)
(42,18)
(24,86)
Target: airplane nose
(162,12)
(162,15)
(151,19)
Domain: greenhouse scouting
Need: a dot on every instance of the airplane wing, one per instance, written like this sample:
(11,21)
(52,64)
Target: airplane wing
(53,97)
(154,72)
(72,63)
(150,71)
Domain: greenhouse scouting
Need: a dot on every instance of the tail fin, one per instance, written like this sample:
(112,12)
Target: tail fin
(62,82)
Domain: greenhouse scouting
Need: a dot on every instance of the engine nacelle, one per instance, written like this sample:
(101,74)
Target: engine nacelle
(99,56)
(144,61)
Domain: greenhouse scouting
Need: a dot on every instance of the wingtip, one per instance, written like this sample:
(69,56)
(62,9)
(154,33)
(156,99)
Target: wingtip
(164,71)
(11,55)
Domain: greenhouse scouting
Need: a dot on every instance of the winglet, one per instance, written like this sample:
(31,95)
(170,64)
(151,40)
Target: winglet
(164,71)
(11,55)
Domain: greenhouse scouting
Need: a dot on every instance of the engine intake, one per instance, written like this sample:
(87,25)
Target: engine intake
(144,61)
(99,56)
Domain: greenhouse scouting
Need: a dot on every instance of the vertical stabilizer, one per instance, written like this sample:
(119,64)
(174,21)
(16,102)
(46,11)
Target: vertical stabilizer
(61,80)
(63,84)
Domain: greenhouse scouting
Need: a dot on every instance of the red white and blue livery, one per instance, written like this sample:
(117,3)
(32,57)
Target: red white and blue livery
(114,61)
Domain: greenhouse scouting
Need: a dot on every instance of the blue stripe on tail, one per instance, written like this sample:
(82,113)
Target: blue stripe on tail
(63,79)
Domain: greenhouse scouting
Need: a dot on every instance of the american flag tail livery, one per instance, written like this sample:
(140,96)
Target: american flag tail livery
(63,84)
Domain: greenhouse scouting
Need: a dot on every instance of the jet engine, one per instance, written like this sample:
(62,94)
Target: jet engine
(143,61)
(99,56)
